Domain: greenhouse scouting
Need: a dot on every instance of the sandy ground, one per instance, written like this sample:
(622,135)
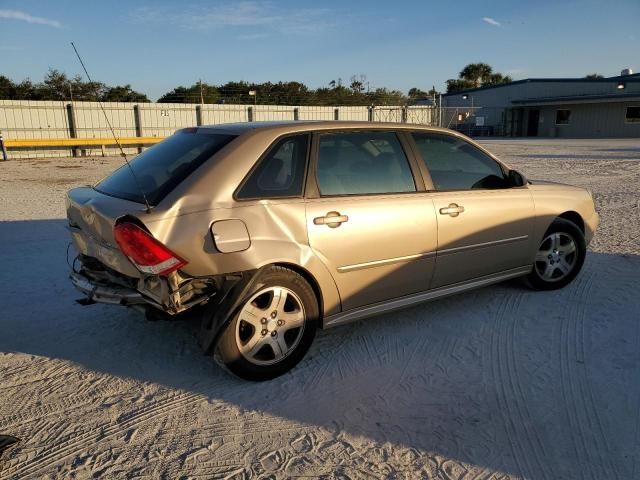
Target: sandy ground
(493,384)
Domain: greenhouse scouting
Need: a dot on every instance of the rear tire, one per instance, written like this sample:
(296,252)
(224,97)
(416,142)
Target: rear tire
(273,329)
(559,258)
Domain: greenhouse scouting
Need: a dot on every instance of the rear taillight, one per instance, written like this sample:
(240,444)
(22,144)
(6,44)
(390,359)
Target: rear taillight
(146,253)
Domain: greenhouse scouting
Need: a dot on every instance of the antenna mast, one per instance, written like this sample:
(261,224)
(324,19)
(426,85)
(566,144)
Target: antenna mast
(135,178)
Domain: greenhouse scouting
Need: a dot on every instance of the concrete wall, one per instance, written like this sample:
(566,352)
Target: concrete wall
(56,120)
(33,120)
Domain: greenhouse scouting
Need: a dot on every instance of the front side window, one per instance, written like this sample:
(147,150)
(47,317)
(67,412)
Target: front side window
(455,164)
(362,163)
(633,115)
(281,172)
(562,117)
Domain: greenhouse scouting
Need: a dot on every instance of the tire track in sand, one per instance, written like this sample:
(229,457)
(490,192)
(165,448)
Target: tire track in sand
(528,449)
(64,404)
(587,432)
(71,446)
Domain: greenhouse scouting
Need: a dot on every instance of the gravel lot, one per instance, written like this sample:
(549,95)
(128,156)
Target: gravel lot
(497,383)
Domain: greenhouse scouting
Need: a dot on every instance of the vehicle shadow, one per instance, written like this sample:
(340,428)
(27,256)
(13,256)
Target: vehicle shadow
(502,378)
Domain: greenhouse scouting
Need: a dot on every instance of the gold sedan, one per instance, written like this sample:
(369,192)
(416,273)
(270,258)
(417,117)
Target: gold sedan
(268,231)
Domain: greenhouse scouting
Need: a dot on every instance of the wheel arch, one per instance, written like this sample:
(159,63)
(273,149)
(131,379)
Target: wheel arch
(575,218)
(308,276)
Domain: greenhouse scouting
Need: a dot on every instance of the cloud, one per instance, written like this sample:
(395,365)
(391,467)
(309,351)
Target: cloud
(491,21)
(243,15)
(25,17)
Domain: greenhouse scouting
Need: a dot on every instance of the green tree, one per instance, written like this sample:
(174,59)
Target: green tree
(457,84)
(383,96)
(496,79)
(7,88)
(476,75)
(27,90)
(193,94)
(283,93)
(238,92)
(415,93)
(594,76)
(57,86)
(123,93)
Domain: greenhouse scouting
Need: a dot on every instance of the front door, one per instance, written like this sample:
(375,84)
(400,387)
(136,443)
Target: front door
(485,225)
(373,229)
(490,233)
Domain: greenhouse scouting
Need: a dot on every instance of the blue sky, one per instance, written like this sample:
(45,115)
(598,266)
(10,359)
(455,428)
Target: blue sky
(156,45)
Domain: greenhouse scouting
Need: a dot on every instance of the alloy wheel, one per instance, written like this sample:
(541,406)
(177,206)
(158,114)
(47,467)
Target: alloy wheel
(270,325)
(556,257)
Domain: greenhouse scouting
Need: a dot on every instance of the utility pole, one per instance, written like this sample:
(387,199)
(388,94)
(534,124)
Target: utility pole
(201,95)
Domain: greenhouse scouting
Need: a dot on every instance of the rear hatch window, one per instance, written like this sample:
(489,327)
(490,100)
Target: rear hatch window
(161,168)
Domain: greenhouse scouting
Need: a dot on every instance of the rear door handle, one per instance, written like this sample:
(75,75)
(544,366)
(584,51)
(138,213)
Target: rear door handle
(452,210)
(331,220)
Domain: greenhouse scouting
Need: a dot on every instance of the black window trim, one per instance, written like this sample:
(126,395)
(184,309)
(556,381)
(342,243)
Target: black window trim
(313,191)
(261,158)
(429,181)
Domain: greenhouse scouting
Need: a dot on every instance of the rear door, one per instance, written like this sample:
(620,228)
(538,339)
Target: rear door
(368,217)
(485,224)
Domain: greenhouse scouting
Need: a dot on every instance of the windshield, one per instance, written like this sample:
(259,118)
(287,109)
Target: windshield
(161,168)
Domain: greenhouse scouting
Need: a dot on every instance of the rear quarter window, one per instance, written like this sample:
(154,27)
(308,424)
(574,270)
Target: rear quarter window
(280,173)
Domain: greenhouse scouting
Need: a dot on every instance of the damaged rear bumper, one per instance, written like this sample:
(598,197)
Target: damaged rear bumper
(113,295)
(172,295)
(221,295)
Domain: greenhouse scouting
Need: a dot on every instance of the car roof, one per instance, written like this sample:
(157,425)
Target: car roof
(291,126)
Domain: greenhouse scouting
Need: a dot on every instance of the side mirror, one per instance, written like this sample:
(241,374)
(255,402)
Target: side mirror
(516,179)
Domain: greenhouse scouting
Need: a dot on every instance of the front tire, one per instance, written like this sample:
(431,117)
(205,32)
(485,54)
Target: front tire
(559,258)
(273,329)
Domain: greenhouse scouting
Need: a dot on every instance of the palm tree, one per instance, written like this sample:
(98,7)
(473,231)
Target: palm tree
(478,73)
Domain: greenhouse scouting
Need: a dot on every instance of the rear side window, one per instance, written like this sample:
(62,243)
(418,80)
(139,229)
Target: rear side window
(281,172)
(363,163)
(455,164)
(159,169)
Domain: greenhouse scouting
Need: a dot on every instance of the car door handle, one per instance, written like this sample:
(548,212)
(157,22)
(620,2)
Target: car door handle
(452,210)
(331,219)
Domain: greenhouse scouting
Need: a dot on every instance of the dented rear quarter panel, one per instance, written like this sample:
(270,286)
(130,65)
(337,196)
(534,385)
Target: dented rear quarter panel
(277,233)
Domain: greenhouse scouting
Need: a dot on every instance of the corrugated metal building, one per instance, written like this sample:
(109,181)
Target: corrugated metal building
(550,107)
